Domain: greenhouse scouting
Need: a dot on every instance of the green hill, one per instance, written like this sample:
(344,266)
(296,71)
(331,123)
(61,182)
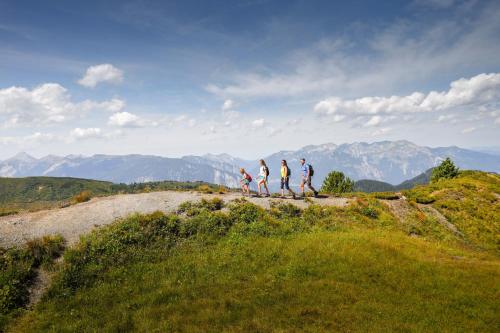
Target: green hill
(34,193)
(364,267)
(370,185)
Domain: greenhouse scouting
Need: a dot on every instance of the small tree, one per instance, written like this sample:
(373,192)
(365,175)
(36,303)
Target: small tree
(337,182)
(446,170)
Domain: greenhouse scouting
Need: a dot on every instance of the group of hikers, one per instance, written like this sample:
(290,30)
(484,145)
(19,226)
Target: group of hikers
(307,172)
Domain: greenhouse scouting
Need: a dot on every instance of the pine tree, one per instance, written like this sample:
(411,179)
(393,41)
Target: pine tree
(337,182)
(446,170)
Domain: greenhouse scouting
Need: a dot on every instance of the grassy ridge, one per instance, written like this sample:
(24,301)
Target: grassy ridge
(470,202)
(284,269)
(35,193)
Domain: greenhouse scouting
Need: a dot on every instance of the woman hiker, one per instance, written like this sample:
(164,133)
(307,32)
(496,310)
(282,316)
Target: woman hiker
(245,182)
(262,180)
(285,178)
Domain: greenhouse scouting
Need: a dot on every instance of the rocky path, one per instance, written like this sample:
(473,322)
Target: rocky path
(73,221)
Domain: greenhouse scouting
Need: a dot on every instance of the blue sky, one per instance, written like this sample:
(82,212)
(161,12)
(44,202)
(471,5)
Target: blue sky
(245,77)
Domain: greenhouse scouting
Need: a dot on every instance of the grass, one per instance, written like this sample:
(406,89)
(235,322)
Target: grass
(233,266)
(37,193)
(17,271)
(283,269)
(470,202)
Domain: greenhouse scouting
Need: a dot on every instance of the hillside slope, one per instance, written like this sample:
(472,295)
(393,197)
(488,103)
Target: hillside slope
(370,265)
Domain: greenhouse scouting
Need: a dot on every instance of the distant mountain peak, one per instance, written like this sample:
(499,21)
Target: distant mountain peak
(22,157)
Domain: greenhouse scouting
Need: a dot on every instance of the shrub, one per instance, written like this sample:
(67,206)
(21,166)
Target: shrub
(386,195)
(17,270)
(194,208)
(82,197)
(285,210)
(205,189)
(446,170)
(245,212)
(337,182)
(45,249)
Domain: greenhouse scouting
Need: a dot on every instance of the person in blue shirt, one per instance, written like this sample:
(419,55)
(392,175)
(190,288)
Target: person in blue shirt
(307,174)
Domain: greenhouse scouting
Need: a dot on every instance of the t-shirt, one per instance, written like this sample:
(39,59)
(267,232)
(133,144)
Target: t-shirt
(305,169)
(283,171)
(262,171)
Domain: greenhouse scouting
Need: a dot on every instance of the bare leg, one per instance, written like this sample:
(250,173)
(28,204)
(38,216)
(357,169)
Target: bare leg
(265,186)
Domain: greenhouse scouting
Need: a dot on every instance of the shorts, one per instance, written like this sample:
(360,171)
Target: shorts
(284,183)
(245,182)
(306,181)
(261,178)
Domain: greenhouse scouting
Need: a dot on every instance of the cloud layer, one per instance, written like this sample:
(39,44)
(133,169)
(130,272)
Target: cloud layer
(476,91)
(46,103)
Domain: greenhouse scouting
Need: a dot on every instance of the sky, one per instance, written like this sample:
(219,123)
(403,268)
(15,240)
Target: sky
(248,78)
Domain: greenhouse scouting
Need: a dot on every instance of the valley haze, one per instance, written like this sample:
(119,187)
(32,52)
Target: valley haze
(388,161)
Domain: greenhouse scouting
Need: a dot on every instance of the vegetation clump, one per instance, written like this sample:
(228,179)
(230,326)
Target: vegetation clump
(446,170)
(83,196)
(336,182)
(17,271)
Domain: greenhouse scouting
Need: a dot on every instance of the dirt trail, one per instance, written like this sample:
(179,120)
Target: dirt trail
(73,221)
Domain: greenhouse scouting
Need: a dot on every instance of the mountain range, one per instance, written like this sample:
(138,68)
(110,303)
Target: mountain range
(388,161)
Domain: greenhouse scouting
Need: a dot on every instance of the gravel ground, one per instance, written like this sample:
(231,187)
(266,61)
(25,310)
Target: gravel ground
(73,221)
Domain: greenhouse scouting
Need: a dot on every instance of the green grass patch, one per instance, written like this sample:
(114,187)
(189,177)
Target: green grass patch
(17,271)
(235,266)
(470,202)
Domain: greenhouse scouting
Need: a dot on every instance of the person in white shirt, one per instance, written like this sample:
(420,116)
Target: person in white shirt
(262,180)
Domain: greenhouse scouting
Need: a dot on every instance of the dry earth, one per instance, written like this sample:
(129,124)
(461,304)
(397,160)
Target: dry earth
(73,221)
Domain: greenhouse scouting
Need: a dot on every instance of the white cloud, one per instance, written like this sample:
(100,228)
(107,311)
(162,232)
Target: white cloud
(46,103)
(391,56)
(381,131)
(113,105)
(482,88)
(101,73)
(497,121)
(228,105)
(446,117)
(85,133)
(468,130)
(126,119)
(32,139)
(258,123)
(373,121)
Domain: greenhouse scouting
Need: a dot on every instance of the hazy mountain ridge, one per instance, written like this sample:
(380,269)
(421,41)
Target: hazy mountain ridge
(388,161)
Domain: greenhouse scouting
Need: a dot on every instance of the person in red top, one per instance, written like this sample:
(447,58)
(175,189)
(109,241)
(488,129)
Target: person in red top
(245,182)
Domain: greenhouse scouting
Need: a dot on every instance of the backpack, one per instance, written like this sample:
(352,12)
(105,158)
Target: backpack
(266,169)
(249,178)
(288,171)
(311,170)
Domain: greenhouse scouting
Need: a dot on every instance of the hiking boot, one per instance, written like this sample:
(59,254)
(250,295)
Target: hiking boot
(315,194)
(293,196)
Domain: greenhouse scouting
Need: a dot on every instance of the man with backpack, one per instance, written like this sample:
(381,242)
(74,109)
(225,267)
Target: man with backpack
(307,173)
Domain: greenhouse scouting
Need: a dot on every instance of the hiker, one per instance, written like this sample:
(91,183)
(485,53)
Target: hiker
(262,180)
(245,181)
(285,178)
(307,173)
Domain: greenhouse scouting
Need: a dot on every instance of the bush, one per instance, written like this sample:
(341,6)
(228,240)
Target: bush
(17,270)
(446,170)
(205,189)
(82,197)
(385,195)
(45,249)
(337,182)
(194,208)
